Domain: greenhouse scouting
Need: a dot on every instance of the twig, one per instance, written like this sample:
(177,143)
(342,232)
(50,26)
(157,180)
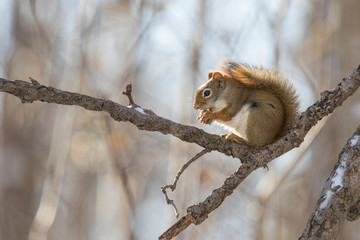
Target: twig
(127,92)
(132,104)
(186,165)
(181,170)
(169,201)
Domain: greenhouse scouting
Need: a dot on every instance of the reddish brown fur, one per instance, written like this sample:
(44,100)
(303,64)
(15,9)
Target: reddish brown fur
(257,104)
(260,78)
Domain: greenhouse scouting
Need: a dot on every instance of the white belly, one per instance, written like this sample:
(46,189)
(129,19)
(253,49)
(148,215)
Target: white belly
(238,123)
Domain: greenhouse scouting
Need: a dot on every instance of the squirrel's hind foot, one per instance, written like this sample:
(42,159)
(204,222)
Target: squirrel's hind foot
(234,137)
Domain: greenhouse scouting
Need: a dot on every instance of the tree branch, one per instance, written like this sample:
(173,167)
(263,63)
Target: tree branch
(340,194)
(251,158)
(30,92)
(144,119)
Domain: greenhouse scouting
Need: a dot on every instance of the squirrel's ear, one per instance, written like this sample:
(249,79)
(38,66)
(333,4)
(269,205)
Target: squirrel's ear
(210,75)
(219,79)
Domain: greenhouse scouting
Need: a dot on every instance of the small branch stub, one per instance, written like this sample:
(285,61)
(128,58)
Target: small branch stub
(33,81)
(127,93)
(132,104)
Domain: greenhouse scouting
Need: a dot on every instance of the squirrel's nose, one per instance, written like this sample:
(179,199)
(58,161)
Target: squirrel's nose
(196,106)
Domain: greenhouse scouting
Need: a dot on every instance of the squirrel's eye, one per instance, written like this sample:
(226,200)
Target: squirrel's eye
(207,93)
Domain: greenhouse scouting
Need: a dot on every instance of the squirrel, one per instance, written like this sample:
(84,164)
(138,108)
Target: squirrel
(257,105)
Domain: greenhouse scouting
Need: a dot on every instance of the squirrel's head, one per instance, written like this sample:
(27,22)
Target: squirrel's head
(207,94)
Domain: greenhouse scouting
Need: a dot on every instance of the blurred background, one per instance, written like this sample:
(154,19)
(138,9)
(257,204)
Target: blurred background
(68,173)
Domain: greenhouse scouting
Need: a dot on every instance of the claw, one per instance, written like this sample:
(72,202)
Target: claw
(206,117)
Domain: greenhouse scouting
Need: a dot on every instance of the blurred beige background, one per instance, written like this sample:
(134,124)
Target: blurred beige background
(68,173)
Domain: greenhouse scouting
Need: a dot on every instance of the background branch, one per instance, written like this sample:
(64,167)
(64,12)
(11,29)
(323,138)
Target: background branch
(341,192)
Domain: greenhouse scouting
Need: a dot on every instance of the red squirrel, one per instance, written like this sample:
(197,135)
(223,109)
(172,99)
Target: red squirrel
(257,105)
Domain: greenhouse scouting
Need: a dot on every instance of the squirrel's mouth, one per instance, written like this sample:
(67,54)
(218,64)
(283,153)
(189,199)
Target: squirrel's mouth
(202,107)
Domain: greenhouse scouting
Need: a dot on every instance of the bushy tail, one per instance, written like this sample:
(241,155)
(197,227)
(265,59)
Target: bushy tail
(260,78)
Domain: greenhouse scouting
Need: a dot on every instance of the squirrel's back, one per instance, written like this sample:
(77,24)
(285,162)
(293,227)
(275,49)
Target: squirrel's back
(260,78)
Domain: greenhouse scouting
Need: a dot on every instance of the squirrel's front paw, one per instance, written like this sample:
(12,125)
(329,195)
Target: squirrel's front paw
(206,117)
